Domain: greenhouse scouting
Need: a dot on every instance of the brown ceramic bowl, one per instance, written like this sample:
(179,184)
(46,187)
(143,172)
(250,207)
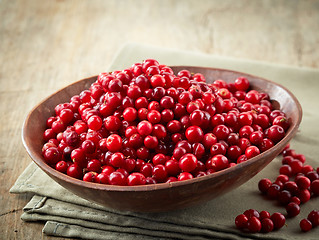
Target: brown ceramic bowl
(163,196)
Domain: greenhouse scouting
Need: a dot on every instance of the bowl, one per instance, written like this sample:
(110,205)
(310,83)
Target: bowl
(163,196)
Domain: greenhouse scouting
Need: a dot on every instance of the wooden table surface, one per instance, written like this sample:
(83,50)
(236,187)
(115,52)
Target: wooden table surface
(45,45)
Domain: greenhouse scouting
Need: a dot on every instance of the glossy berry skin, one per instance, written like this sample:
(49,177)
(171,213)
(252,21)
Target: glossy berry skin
(159,173)
(264,185)
(184,176)
(276,133)
(241,221)
(252,151)
(114,143)
(303,182)
(117,178)
(251,213)
(52,155)
(315,187)
(267,225)
(136,179)
(219,162)
(144,128)
(188,162)
(74,170)
(313,217)
(95,122)
(292,209)
(61,166)
(305,225)
(278,219)
(254,225)
(194,134)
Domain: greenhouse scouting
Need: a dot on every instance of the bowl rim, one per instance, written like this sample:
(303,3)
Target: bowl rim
(160,186)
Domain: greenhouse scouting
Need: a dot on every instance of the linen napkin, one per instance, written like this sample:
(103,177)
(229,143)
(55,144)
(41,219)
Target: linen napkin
(67,215)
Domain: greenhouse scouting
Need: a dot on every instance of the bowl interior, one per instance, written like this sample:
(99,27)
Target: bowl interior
(164,196)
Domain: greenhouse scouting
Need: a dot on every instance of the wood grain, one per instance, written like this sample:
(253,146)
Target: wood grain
(45,45)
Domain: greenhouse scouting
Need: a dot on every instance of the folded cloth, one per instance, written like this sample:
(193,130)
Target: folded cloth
(68,215)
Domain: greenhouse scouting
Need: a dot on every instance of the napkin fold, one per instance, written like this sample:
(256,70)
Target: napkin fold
(67,215)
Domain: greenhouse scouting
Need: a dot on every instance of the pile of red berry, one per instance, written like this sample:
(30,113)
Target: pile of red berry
(255,221)
(146,125)
(296,184)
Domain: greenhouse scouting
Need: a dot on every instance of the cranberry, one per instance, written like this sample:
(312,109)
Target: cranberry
(278,219)
(221,132)
(313,217)
(252,151)
(305,225)
(144,128)
(114,143)
(151,142)
(273,191)
(184,176)
(284,197)
(276,133)
(292,209)
(61,166)
(172,167)
(136,179)
(254,225)
(219,162)
(264,214)
(304,195)
(303,182)
(315,187)
(117,178)
(264,185)
(241,221)
(194,134)
(74,170)
(251,213)
(188,162)
(94,165)
(159,173)
(242,84)
(267,225)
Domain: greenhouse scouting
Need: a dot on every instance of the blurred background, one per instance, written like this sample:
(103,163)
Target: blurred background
(45,45)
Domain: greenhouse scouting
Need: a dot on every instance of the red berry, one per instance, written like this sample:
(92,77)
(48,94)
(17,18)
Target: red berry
(136,179)
(305,225)
(267,225)
(188,162)
(292,209)
(184,176)
(251,213)
(144,128)
(313,217)
(254,225)
(241,221)
(264,214)
(278,219)
(242,84)
(159,173)
(194,134)
(117,178)
(252,151)
(315,187)
(114,143)
(74,170)
(303,182)
(264,185)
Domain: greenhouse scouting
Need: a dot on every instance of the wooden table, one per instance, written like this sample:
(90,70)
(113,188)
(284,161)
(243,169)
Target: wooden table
(45,45)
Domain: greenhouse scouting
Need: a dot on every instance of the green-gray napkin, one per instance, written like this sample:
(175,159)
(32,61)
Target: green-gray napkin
(67,215)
